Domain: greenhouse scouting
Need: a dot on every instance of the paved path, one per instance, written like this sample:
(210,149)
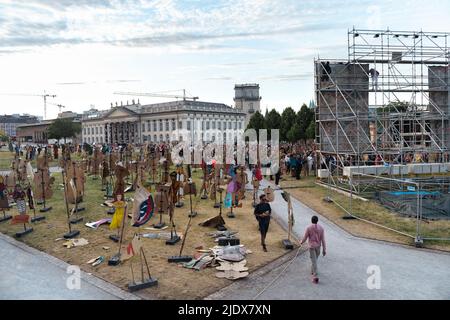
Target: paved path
(26,273)
(406,272)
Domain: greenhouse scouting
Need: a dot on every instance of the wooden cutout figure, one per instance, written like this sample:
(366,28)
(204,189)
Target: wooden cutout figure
(287,197)
(19,197)
(242,180)
(163,199)
(119,213)
(165,171)
(43,184)
(11,180)
(4,203)
(205,184)
(133,249)
(95,162)
(121,173)
(105,172)
(270,196)
(74,182)
(181,179)
(20,169)
(174,187)
(163,202)
(153,167)
(232,275)
(142,174)
(143,206)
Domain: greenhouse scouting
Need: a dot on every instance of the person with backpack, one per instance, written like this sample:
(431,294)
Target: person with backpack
(315,235)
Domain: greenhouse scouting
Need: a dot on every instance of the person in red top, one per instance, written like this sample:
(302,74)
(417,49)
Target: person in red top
(315,235)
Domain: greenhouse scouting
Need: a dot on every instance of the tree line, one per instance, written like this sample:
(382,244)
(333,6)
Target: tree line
(293,126)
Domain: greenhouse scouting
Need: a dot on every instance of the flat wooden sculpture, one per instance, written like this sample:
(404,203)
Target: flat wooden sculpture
(96,161)
(19,168)
(190,189)
(163,202)
(118,222)
(181,179)
(287,242)
(19,197)
(133,249)
(270,195)
(43,187)
(74,176)
(242,181)
(164,164)
(120,173)
(205,184)
(171,196)
(143,206)
(105,173)
(4,203)
(153,167)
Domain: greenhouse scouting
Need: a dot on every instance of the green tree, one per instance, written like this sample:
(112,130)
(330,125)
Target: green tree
(311,131)
(273,121)
(257,122)
(304,118)
(3,136)
(287,121)
(63,129)
(294,133)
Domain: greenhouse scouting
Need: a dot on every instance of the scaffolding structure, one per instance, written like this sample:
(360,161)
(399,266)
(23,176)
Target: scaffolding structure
(387,103)
(383,127)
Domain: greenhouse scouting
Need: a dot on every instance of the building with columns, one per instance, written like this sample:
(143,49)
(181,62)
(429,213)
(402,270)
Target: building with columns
(163,122)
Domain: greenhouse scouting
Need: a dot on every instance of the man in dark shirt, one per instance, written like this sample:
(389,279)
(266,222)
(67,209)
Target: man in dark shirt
(262,213)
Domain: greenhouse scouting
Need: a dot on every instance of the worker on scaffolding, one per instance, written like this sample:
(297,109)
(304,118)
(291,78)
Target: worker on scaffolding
(326,71)
(374,74)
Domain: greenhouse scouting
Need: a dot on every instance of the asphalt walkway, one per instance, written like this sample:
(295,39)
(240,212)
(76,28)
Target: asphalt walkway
(404,272)
(28,274)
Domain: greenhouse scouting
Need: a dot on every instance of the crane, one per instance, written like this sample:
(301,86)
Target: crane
(45,96)
(60,106)
(158,95)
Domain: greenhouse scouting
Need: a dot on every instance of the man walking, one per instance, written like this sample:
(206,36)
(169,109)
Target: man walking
(262,213)
(315,235)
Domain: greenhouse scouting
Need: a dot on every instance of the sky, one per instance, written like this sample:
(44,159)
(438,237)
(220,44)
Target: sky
(83,51)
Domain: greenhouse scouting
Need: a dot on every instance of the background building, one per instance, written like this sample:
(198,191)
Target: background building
(163,122)
(38,132)
(247,99)
(9,123)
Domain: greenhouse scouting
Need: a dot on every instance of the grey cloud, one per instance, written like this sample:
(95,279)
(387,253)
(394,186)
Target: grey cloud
(36,41)
(20,28)
(189,37)
(63,4)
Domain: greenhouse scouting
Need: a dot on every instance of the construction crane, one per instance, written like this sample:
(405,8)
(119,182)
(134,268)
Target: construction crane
(158,95)
(60,106)
(45,96)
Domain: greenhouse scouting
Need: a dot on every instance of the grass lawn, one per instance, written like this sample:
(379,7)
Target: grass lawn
(175,282)
(312,195)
